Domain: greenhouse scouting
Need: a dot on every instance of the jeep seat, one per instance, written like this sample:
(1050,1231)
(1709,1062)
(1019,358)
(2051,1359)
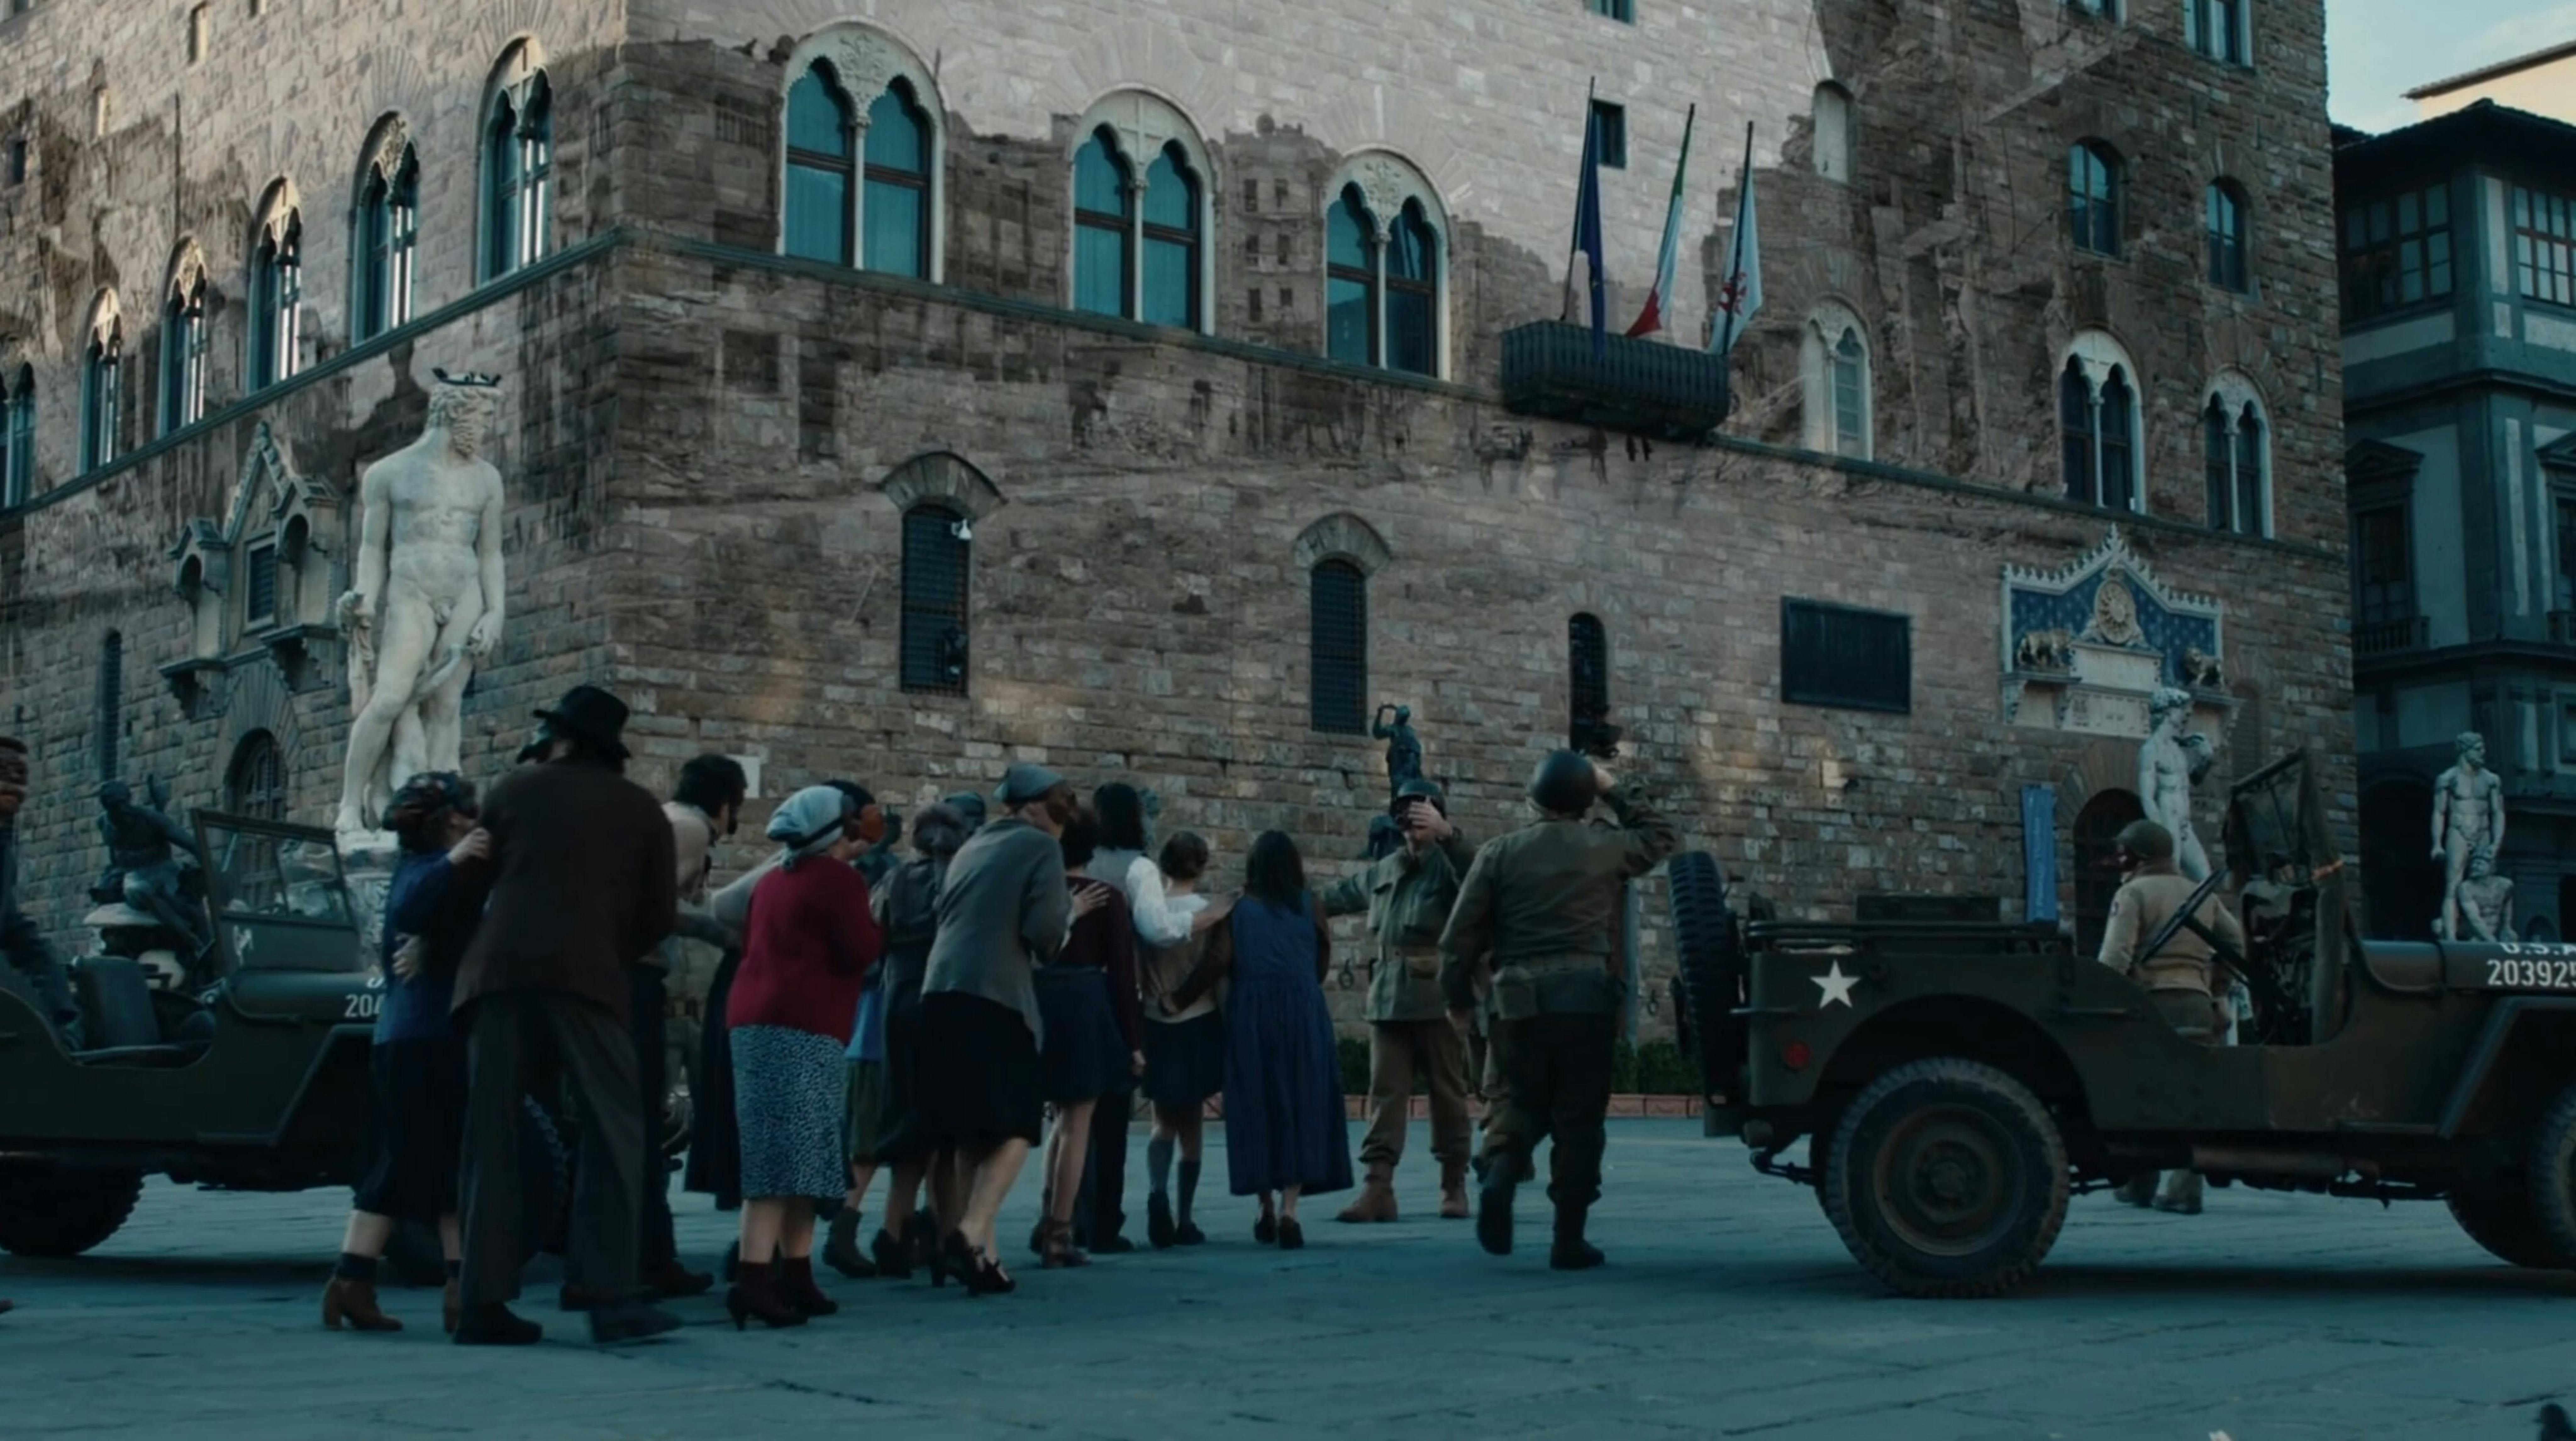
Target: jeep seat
(118,1003)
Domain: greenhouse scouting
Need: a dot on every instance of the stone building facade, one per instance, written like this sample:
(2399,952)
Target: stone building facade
(911,526)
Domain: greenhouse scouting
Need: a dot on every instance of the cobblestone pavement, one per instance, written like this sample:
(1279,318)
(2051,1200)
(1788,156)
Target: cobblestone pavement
(1729,1309)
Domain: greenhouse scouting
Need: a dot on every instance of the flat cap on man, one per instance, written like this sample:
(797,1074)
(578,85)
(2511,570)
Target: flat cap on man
(1026,782)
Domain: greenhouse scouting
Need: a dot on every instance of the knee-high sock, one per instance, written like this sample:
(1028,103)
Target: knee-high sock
(1189,1187)
(1158,1163)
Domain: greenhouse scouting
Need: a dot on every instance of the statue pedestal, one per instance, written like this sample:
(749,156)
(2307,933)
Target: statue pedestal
(367,861)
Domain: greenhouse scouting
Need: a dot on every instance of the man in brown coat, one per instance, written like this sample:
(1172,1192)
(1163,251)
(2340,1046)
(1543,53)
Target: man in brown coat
(582,883)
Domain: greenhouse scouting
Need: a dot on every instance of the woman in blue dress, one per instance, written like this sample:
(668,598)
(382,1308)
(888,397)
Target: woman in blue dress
(1285,1130)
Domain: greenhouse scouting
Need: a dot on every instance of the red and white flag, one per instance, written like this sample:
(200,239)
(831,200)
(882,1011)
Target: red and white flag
(1660,299)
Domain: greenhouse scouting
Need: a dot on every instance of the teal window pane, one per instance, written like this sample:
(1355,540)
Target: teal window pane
(1346,319)
(1409,249)
(818,213)
(1408,331)
(1100,270)
(1346,233)
(1099,178)
(1171,196)
(898,135)
(1171,283)
(817,119)
(895,243)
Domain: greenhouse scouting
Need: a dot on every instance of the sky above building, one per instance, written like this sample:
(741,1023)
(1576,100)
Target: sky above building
(2377,50)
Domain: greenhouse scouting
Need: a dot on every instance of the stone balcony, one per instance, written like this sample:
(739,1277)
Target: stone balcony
(1672,392)
(2387,637)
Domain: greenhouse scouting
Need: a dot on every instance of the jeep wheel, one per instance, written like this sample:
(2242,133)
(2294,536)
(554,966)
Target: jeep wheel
(1710,973)
(1947,1178)
(2500,1218)
(54,1213)
(2552,1172)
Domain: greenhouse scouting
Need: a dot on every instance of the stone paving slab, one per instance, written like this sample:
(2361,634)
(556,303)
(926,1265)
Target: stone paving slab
(1729,1309)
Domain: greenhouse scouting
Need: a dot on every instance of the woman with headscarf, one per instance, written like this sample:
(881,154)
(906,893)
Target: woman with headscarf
(809,943)
(908,910)
(416,1068)
(1285,1131)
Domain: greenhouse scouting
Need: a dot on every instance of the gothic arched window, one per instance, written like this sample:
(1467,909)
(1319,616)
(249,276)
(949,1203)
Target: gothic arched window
(1104,227)
(937,549)
(277,302)
(388,236)
(1350,280)
(897,196)
(18,438)
(822,168)
(518,175)
(102,399)
(183,356)
(1171,293)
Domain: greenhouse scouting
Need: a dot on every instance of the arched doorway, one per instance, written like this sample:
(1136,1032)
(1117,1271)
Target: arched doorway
(2401,882)
(2096,882)
(255,784)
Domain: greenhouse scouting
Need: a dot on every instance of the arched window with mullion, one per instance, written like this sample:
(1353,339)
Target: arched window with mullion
(183,356)
(2118,425)
(822,168)
(277,303)
(897,198)
(2093,197)
(1171,295)
(1350,280)
(2253,514)
(1104,232)
(1413,293)
(388,238)
(102,400)
(518,170)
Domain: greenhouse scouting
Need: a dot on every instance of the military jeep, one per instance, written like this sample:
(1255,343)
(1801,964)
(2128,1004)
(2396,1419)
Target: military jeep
(253,1078)
(1957,1081)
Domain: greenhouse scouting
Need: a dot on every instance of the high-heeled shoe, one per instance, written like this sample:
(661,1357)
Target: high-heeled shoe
(796,1287)
(893,1258)
(755,1293)
(921,1240)
(989,1279)
(1292,1236)
(1265,1228)
(954,1258)
(1059,1253)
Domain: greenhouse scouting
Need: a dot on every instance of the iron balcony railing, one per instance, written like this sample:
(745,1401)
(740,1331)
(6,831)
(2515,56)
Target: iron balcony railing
(1672,391)
(2386,637)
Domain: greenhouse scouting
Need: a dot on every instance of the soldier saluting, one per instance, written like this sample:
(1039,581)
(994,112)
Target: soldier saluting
(1408,896)
(1539,904)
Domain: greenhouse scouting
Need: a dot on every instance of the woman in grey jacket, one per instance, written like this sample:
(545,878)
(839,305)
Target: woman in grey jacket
(1004,911)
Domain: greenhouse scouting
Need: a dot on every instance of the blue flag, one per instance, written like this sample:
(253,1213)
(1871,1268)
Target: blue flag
(1587,230)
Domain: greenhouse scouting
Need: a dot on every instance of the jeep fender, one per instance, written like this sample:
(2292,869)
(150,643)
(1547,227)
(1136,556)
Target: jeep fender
(2518,1027)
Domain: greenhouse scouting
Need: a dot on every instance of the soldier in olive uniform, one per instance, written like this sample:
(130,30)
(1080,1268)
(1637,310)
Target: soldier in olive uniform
(1407,896)
(1540,906)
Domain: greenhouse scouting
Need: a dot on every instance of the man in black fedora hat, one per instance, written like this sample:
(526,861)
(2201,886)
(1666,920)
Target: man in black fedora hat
(582,883)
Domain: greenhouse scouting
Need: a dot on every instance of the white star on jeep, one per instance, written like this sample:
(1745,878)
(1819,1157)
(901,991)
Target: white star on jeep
(1836,986)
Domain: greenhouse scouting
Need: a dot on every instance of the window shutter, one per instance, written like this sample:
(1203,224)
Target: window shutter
(1833,655)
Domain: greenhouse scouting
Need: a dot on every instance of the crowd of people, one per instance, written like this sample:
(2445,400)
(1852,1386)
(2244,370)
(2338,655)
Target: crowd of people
(1043,960)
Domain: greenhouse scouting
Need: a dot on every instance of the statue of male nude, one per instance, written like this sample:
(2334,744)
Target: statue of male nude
(428,602)
(2468,816)
(2173,759)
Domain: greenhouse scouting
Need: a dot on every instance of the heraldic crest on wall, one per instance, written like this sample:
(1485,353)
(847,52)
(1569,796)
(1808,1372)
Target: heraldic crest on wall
(2085,647)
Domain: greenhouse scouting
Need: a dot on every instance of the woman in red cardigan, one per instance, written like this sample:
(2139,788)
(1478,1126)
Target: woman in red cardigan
(808,946)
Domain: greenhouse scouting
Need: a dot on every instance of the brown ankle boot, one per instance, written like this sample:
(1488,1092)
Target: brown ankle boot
(1376,1200)
(1453,1190)
(354,1302)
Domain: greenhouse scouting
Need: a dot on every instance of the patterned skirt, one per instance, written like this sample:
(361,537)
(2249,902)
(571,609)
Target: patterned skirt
(790,1091)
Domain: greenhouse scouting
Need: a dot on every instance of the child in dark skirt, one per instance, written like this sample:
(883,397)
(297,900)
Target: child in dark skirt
(1184,1052)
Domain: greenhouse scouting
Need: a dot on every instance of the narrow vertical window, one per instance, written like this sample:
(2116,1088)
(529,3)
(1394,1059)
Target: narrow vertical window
(110,721)
(1832,124)
(2564,513)
(392,244)
(18,461)
(196,34)
(1610,131)
(2119,443)
(2253,510)
(277,303)
(183,358)
(518,179)
(1413,293)
(2218,459)
(1171,241)
(1338,648)
(2093,197)
(2382,576)
(1850,364)
(1350,281)
(897,202)
(2224,220)
(103,401)
(936,553)
(1587,659)
(2544,245)
(822,168)
(1104,233)
(2075,423)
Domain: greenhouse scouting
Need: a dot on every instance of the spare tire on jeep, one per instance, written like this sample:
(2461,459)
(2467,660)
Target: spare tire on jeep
(54,1211)
(1710,974)
(1947,1177)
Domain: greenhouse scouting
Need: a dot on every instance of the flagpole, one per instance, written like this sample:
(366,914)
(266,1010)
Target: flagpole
(1565,311)
(1735,269)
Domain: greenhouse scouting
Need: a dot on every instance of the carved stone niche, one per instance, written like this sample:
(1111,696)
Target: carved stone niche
(260,583)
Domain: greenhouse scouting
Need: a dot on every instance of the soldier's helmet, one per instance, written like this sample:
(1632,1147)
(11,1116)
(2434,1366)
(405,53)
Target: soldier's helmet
(1419,789)
(2144,841)
(1563,784)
